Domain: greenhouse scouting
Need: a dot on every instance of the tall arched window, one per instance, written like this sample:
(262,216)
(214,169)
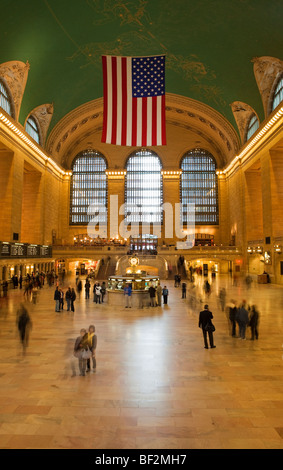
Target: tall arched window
(5,101)
(88,189)
(32,128)
(143,188)
(253,125)
(278,94)
(199,188)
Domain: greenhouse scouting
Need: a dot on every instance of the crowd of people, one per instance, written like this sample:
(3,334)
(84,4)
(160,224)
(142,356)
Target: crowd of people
(240,315)
(155,295)
(69,296)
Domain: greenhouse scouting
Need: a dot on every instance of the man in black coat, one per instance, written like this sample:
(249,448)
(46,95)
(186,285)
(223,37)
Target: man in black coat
(205,323)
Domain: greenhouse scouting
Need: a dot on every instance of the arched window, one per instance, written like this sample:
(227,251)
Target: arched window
(253,125)
(199,188)
(88,189)
(278,94)
(143,188)
(5,101)
(32,128)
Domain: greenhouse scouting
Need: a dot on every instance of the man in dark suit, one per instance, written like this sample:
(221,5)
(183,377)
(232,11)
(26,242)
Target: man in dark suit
(205,323)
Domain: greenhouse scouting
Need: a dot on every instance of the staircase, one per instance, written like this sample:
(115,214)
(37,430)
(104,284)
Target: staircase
(105,270)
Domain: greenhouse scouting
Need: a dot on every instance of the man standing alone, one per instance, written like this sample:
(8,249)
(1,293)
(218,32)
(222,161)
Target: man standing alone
(128,294)
(205,323)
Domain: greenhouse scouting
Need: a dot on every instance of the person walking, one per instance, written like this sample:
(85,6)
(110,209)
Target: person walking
(57,299)
(184,290)
(165,294)
(205,323)
(254,321)
(73,298)
(242,318)
(128,295)
(87,288)
(24,325)
(81,345)
(222,298)
(151,291)
(5,288)
(103,291)
(207,288)
(79,287)
(94,292)
(232,317)
(92,343)
(159,294)
(61,303)
(98,293)
(68,296)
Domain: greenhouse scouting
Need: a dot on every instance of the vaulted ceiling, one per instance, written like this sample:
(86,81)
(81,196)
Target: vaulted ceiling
(209,47)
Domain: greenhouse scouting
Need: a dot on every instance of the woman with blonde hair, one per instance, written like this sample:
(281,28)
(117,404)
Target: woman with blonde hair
(92,342)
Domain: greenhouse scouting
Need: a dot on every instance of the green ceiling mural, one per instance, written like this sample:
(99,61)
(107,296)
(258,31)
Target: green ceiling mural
(209,46)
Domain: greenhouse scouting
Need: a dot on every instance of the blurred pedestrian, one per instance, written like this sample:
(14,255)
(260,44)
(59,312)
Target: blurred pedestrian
(94,292)
(253,322)
(159,294)
(73,298)
(248,281)
(222,298)
(61,303)
(242,318)
(165,294)
(232,317)
(103,291)
(81,345)
(184,290)
(68,296)
(57,299)
(5,288)
(98,293)
(207,326)
(24,325)
(152,293)
(128,295)
(87,288)
(92,343)
(207,288)
(79,287)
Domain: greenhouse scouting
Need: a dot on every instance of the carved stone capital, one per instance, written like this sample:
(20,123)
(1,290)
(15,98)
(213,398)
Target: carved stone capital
(242,114)
(15,74)
(43,115)
(267,70)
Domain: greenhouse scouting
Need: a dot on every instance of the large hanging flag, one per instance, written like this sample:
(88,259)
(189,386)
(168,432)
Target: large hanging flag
(134,100)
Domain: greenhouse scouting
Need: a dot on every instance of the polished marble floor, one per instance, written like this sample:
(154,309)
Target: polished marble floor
(155,387)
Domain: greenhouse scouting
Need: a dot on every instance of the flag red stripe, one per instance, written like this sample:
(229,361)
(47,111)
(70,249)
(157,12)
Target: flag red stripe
(144,121)
(105,99)
(114,100)
(154,120)
(163,121)
(134,122)
(124,102)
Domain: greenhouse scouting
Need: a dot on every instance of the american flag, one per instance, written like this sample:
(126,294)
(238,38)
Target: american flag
(134,100)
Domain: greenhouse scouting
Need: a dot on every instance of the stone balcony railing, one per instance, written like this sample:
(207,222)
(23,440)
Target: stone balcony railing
(162,250)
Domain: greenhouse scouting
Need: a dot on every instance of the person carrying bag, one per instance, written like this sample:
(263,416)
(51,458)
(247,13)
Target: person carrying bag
(207,326)
(82,351)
